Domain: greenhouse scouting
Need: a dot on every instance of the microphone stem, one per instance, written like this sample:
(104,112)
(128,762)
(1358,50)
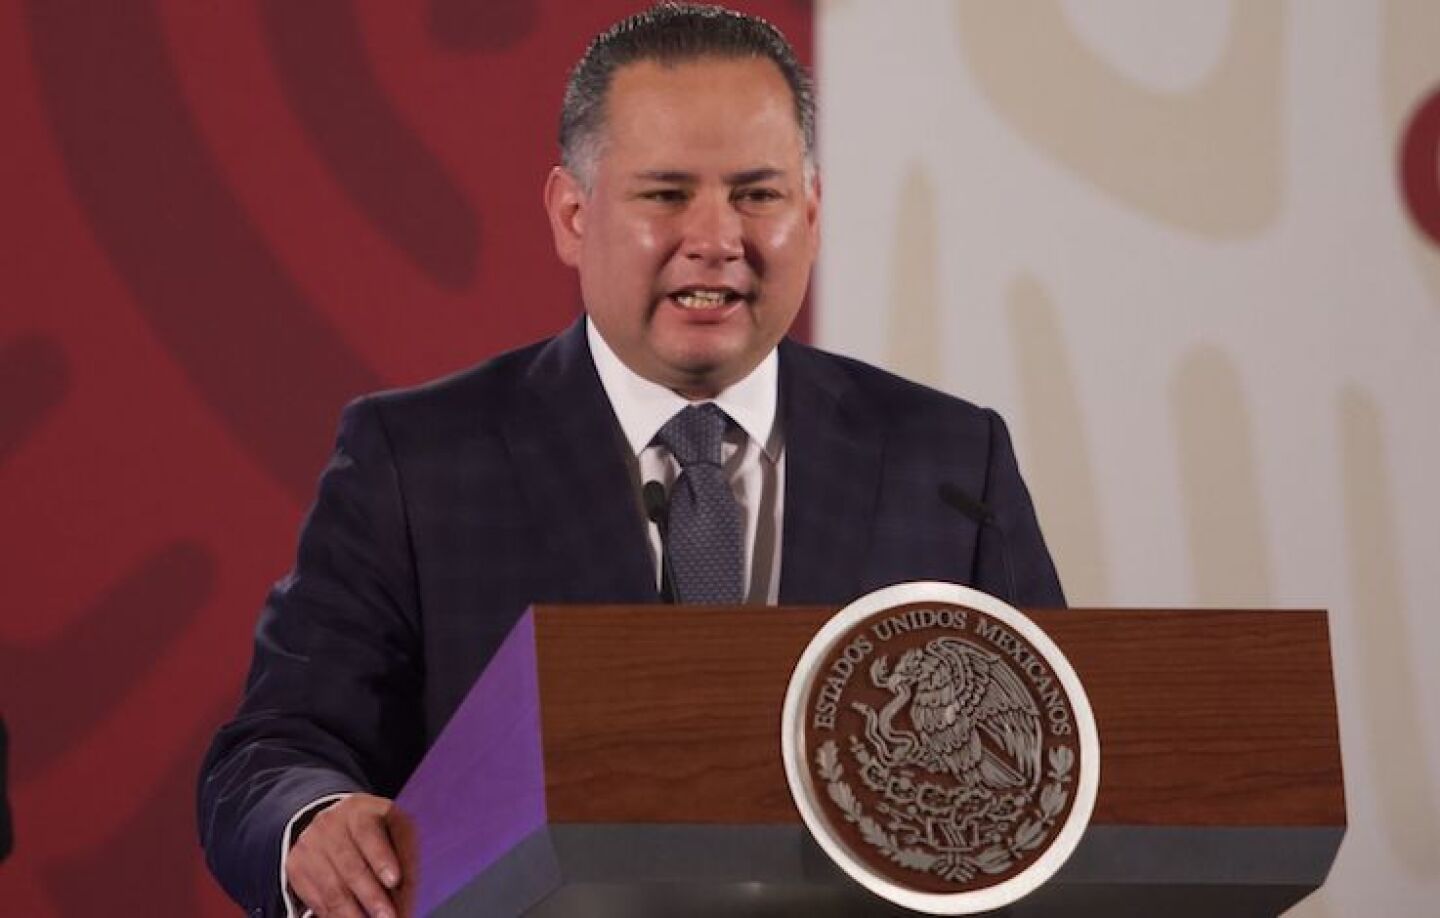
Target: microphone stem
(657,509)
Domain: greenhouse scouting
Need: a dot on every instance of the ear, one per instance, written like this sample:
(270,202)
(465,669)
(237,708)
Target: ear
(565,204)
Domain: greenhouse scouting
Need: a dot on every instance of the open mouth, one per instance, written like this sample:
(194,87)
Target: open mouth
(702,299)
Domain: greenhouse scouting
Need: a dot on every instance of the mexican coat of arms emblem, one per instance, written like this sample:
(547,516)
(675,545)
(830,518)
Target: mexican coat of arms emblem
(940,748)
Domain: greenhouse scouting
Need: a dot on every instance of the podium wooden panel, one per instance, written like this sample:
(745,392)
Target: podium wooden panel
(1221,785)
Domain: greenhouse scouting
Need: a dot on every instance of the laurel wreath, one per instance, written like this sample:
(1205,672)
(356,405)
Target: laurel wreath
(995,859)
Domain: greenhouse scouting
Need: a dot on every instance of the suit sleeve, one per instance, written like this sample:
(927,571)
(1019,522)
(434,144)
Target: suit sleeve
(332,701)
(1016,534)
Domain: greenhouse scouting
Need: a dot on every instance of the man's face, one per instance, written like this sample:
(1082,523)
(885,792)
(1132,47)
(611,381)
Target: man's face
(695,240)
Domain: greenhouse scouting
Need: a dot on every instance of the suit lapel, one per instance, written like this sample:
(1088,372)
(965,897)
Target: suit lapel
(833,450)
(569,455)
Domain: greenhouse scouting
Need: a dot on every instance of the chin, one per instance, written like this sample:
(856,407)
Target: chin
(713,362)
(699,379)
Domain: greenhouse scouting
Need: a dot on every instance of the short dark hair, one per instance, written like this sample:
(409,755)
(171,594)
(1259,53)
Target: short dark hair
(671,33)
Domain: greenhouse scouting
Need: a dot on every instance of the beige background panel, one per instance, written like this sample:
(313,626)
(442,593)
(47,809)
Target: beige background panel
(1057,465)
(1206,159)
(1410,72)
(1229,548)
(1169,386)
(914,337)
(1406,789)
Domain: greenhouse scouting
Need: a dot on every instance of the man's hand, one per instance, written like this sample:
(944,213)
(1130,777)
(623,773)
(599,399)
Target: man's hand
(344,863)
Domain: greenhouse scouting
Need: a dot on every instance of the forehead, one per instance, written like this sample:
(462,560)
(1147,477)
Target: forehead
(709,108)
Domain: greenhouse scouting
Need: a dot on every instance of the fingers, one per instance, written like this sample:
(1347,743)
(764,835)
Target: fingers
(327,896)
(343,861)
(359,883)
(374,844)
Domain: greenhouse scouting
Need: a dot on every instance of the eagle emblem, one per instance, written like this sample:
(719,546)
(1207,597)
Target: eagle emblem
(940,748)
(969,717)
(954,758)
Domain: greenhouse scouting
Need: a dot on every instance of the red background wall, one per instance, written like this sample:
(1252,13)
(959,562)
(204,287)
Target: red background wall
(222,221)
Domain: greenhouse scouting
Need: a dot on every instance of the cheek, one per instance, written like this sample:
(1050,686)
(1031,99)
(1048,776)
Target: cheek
(786,243)
(624,252)
(642,239)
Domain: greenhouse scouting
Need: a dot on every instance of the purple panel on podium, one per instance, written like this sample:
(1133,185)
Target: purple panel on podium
(481,788)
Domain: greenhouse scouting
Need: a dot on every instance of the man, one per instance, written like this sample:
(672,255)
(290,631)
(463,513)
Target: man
(688,202)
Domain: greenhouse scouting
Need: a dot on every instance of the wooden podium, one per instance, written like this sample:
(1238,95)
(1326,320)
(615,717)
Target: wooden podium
(631,758)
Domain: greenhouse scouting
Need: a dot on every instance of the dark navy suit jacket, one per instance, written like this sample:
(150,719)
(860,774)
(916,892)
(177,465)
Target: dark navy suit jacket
(448,509)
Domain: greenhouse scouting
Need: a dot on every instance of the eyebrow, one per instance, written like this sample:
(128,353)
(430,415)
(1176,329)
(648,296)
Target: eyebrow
(677,177)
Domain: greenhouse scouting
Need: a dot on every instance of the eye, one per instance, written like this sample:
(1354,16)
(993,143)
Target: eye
(758,194)
(665,195)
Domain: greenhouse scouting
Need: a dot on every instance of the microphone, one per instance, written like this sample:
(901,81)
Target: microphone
(972,508)
(657,510)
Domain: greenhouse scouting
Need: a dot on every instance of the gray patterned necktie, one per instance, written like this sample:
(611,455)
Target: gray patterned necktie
(704,520)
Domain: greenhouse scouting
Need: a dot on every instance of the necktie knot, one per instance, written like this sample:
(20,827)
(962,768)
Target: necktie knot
(694,434)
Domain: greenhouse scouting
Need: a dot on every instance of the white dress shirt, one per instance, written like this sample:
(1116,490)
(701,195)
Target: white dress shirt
(753,454)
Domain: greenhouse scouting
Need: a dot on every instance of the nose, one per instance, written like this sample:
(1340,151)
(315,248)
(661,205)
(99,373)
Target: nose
(714,232)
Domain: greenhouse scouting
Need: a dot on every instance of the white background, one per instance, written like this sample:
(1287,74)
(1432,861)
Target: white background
(1166,241)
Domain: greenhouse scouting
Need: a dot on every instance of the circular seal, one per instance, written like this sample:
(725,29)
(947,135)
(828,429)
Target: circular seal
(940,748)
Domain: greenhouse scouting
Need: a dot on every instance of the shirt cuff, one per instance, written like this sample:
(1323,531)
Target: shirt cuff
(294,908)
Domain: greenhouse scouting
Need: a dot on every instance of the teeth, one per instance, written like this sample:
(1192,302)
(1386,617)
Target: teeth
(702,299)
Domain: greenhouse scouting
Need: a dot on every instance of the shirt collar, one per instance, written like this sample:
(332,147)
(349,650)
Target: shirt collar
(643,407)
